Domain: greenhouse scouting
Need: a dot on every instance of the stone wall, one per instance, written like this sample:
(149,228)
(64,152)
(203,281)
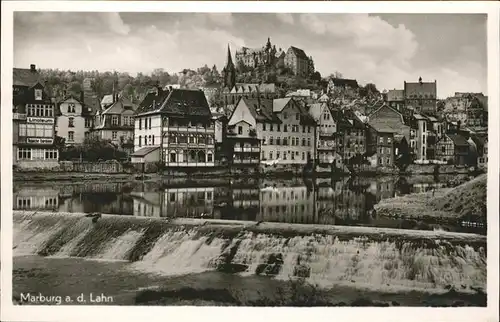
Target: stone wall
(92,167)
(41,165)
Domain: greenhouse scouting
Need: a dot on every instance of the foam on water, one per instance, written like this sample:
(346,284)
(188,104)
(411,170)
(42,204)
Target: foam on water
(159,248)
(117,248)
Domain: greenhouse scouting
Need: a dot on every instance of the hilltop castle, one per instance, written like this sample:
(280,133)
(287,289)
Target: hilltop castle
(268,56)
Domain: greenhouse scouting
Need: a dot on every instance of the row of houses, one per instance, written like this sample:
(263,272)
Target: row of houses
(181,131)
(177,127)
(39,121)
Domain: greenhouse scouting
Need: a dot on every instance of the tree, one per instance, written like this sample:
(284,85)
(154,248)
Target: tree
(316,76)
(336,74)
(371,88)
(75,88)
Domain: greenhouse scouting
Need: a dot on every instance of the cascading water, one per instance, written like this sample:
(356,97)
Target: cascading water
(392,260)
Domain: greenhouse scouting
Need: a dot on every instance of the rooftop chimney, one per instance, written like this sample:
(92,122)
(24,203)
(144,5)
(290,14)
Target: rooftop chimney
(420,80)
(33,67)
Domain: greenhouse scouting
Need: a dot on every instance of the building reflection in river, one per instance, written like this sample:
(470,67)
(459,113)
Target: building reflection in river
(340,201)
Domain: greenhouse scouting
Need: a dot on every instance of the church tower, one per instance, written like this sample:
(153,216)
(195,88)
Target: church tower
(229,71)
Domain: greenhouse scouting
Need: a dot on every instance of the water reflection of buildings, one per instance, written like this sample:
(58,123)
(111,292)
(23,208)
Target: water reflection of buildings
(105,198)
(339,200)
(324,201)
(36,198)
(287,204)
(174,202)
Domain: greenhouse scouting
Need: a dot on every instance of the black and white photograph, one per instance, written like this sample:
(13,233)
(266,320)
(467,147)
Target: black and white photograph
(249,159)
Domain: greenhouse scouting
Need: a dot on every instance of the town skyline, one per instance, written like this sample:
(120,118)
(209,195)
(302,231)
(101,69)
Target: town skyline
(384,49)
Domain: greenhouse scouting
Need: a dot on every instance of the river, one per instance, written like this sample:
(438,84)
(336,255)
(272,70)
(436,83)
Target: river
(340,201)
(147,249)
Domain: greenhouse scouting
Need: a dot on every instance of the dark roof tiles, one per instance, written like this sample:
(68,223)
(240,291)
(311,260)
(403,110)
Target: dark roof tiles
(26,77)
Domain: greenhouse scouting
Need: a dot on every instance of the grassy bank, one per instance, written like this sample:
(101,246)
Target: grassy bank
(73,276)
(464,202)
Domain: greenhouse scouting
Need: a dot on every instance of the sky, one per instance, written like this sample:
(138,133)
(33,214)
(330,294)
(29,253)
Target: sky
(384,49)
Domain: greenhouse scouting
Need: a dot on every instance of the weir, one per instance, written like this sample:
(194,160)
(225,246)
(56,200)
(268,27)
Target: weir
(374,258)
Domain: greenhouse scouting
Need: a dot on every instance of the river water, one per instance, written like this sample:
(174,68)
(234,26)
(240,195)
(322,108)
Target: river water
(146,250)
(340,201)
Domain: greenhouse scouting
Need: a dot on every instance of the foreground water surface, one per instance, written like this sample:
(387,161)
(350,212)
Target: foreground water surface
(341,201)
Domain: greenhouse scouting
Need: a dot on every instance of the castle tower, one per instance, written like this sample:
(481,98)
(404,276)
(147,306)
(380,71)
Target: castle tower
(229,71)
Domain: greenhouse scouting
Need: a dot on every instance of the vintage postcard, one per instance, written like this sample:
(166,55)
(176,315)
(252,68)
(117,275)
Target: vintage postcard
(173,158)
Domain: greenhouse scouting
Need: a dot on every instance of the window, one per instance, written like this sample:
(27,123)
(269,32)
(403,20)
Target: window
(71,136)
(153,142)
(271,141)
(240,129)
(277,154)
(308,142)
(303,129)
(389,140)
(285,128)
(278,127)
(388,161)
(71,122)
(443,149)
(303,141)
(308,129)
(140,124)
(114,135)
(140,140)
(380,161)
(278,141)
(38,94)
(271,127)
(173,157)
(303,156)
(23,154)
(88,122)
(270,155)
(114,120)
(423,150)
(380,140)
(263,126)
(50,154)
(285,115)
(209,157)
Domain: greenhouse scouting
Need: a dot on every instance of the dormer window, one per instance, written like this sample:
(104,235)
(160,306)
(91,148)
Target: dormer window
(71,108)
(38,94)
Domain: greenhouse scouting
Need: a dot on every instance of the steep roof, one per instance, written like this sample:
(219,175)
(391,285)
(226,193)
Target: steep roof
(458,139)
(152,101)
(92,102)
(119,106)
(26,77)
(341,82)
(179,102)
(144,151)
(280,103)
(299,52)
(186,102)
(261,109)
(380,121)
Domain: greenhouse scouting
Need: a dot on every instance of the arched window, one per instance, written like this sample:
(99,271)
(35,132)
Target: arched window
(140,140)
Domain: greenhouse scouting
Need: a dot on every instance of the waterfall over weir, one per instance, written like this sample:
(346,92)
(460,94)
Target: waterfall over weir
(327,255)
